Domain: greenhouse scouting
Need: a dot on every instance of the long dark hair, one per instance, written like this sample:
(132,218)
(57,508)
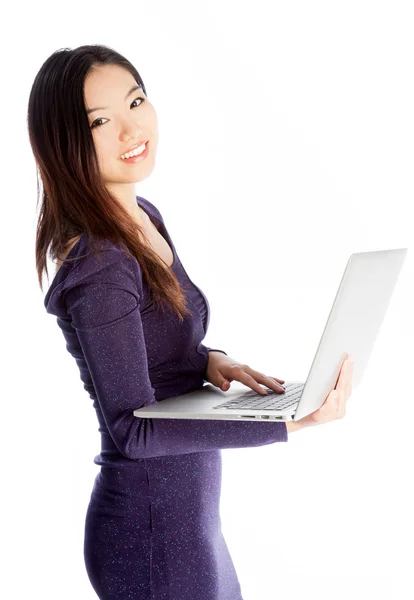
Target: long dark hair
(75,199)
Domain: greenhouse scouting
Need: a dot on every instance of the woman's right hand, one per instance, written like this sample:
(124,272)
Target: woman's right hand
(334,406)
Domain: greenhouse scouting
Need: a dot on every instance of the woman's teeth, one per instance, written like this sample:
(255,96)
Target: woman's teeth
(135,152)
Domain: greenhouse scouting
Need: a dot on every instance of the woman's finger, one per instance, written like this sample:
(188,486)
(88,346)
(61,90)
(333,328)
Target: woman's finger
(270,382)
(278,386)
(344,386)
(241,374)
(345,380)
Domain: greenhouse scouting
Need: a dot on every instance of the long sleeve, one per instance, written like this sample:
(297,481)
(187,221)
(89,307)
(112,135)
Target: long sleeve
(105,313)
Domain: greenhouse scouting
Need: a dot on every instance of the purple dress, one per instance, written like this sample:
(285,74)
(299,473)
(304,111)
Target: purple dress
(152,528)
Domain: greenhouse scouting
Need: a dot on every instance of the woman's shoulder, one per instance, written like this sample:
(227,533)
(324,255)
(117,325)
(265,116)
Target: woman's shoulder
(102,262)
(94,270)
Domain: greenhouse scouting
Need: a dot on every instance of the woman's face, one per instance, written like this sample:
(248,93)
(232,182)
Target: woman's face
(127,119)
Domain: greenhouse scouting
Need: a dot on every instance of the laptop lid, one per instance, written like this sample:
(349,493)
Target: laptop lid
(353,324)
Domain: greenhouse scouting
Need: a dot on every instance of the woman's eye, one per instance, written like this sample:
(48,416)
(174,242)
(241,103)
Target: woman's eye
(139,98)
(95,123)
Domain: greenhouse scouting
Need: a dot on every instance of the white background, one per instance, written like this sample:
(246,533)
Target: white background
(285,144)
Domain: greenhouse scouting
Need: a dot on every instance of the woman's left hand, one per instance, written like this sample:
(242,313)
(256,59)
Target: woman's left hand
(222,370)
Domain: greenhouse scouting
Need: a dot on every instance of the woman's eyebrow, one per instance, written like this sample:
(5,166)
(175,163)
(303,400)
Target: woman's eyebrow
(133,89)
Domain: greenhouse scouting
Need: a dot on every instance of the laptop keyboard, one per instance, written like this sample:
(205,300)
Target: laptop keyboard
(251,400)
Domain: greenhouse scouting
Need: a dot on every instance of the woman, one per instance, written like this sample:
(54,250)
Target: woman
(134,322)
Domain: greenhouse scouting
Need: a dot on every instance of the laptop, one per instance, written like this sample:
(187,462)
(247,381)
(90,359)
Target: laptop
(352,328)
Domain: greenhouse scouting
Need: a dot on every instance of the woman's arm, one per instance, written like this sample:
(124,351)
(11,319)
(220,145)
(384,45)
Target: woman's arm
(104,306)
(292,426)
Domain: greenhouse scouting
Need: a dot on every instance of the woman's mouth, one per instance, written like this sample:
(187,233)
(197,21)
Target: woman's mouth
(134,159)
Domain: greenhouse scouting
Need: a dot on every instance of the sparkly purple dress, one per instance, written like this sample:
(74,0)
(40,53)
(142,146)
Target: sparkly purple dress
(152,528)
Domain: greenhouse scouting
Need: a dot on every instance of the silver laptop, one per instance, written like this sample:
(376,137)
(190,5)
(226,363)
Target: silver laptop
(352,327)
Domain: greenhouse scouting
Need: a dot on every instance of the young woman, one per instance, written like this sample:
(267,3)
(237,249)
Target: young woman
(134,322)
